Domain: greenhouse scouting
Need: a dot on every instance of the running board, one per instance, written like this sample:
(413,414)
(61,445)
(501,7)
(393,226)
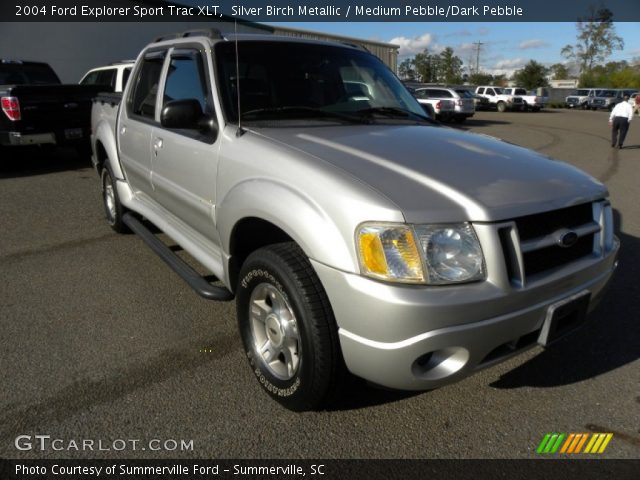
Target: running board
(201,286)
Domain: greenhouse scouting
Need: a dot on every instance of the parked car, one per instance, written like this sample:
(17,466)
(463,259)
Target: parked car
(607,99)
(114,76)
(463,106)
(38,110)
(531,101)
(500,100)
(355,235)
(437,107)
(479,102)
(580,98)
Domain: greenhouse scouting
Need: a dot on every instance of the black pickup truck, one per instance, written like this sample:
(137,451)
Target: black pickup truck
(38,110)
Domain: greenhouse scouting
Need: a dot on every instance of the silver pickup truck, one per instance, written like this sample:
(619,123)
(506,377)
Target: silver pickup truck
(356,234)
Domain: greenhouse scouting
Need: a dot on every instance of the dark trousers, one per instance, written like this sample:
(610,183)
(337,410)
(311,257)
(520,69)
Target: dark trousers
(620,124)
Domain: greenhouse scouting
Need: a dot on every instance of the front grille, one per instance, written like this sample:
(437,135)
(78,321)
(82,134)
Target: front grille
(572,101)
(517,100)
(548,258)
(532,244)
(541,224)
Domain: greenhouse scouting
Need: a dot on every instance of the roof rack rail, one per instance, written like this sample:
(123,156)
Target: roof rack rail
(200,32)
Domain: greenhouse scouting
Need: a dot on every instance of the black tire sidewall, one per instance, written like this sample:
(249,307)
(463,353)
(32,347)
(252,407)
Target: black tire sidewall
(296,392)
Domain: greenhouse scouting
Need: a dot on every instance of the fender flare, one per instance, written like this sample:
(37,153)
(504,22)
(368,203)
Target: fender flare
(293,212)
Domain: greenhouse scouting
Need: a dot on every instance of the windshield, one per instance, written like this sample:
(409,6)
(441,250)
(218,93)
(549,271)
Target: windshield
(498,91)
(27,74)
(299,80)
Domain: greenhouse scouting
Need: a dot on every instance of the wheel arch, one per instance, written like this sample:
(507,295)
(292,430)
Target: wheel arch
(256,213)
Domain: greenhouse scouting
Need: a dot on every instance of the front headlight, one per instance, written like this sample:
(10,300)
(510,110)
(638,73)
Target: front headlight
(431,254)
(452,253)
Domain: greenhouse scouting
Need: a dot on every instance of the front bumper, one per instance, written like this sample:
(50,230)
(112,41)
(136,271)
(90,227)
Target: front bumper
(419,338)
(18,138)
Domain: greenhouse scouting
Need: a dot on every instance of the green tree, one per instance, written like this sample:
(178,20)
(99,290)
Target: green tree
(533,75)
(559,71)
(612,75)
(480,78)
(450,67)
(596,40)
(427,66)
(407,69)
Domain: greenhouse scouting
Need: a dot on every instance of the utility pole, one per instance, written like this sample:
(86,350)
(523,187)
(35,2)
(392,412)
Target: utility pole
(478,44)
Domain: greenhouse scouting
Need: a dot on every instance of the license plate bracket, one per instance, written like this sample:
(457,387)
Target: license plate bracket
(564,316)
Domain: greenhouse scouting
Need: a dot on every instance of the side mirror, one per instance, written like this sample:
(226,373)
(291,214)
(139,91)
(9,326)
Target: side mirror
(187,114)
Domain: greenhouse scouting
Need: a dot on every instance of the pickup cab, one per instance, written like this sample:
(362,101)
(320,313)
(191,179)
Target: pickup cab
(38,110)
(112,77)
(500,100)
(531,101)
(356,235)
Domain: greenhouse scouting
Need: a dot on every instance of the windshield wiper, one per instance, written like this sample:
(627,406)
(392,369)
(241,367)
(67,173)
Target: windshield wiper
(395,112)
(318,112)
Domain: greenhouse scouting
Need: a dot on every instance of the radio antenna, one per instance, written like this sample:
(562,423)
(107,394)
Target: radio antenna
(240,131)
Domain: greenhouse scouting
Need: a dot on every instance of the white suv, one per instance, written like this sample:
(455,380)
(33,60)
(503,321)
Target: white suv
(114,76)
(499,99)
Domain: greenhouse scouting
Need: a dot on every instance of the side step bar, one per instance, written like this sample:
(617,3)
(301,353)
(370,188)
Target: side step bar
(188,274)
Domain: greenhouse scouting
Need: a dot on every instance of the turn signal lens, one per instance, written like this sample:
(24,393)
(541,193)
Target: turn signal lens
(389,252)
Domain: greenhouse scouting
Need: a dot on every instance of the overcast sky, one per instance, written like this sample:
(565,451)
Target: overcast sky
(506,46)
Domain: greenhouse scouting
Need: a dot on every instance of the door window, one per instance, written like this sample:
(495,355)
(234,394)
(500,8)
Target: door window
(142,100)
(186,79)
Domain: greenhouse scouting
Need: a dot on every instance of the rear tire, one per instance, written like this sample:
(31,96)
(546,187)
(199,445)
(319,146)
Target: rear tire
(113,209)
(288,329)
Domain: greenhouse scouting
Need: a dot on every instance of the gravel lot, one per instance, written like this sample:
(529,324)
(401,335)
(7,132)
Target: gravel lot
(100,340)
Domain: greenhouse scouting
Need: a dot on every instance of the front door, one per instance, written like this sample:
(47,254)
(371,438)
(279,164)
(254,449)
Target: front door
(185,161)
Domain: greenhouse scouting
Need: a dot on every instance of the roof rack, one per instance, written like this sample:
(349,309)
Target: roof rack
(200,32)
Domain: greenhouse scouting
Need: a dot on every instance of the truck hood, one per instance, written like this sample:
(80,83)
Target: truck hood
(443,175)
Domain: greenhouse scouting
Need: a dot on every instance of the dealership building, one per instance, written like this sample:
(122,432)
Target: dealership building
(72,48)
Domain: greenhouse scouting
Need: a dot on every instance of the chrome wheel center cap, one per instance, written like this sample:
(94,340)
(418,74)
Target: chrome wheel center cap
(274,330)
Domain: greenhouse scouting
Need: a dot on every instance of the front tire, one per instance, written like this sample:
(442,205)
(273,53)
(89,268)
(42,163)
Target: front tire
(113,209)
(288,328)
(501,107)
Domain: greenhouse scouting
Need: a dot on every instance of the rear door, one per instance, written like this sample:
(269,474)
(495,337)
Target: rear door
(185,161)
(138,117)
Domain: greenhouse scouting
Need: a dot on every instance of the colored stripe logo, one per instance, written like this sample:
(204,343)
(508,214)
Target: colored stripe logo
(573,443)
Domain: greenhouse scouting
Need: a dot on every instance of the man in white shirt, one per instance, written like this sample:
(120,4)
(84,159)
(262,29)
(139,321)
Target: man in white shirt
(619,120)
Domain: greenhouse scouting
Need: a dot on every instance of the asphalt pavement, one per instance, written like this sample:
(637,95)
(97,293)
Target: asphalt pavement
(100,341)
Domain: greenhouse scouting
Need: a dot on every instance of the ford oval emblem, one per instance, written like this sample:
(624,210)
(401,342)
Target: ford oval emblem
(566,238)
